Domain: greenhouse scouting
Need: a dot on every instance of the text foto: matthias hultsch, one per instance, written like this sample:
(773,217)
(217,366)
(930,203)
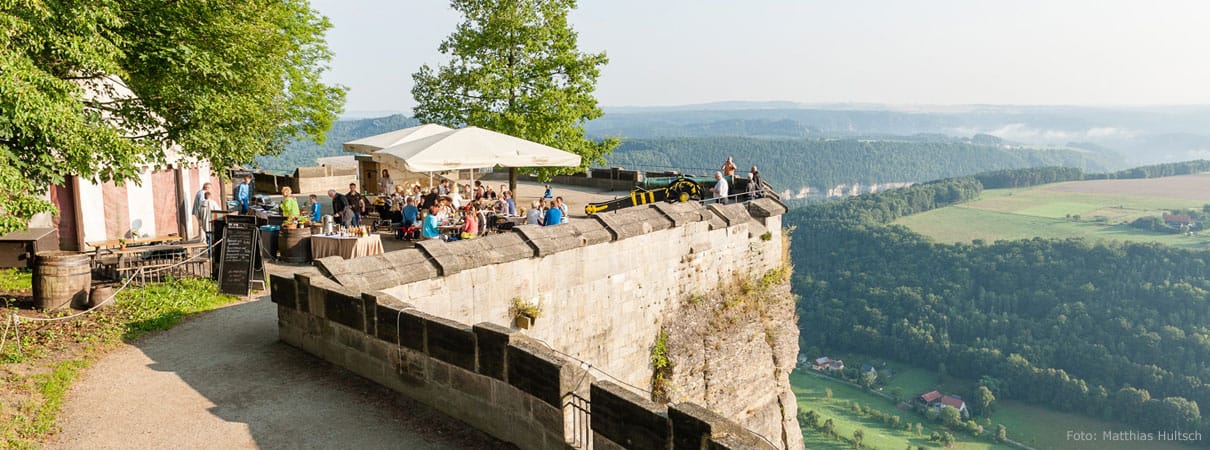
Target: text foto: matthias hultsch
(1133,435)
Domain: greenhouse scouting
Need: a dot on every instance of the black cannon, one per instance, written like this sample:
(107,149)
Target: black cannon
(679,189)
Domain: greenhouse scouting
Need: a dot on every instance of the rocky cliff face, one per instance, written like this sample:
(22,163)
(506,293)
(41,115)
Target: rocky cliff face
(732,351)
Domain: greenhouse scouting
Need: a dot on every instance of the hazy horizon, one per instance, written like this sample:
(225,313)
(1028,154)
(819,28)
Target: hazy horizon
(880,54)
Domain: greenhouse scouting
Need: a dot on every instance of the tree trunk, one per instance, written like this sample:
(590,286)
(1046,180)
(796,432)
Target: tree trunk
(512,181)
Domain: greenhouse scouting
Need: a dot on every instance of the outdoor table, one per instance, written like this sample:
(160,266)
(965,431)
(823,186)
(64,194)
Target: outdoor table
(345,247)
(452,230)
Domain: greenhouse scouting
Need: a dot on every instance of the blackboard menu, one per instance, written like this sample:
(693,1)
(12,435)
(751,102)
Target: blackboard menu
(236,262)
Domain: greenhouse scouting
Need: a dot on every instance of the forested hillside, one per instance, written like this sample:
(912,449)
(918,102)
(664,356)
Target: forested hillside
(303,153)
(821,164)
(1116,330)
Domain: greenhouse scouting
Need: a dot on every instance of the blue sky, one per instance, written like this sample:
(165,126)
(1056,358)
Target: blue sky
(943,52)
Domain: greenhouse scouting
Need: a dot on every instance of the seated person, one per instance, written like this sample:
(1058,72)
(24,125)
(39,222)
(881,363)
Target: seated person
(430,230)
(554,215)
(470,225)
(409,216)
(534,215)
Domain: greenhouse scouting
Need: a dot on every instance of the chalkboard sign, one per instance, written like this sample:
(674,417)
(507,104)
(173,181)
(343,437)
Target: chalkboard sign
(236,261)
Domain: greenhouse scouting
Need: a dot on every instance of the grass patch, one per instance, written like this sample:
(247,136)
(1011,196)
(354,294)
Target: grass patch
(1011,214)
(52,354)
(15,281)
(810,393)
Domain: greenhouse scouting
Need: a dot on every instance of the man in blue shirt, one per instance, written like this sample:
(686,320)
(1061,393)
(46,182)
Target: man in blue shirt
(554,216)
(316,209)
(430,230)
(410,213)
(243,194)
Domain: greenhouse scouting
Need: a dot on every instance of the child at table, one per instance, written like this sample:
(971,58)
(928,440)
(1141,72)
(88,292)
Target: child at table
(470,224)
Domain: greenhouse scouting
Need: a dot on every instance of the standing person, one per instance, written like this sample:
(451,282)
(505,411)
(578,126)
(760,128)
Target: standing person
(729,167)
(385,185)
(198,201)
(243,194)
(357,202)
(430,199)
(534,215)
(720,187)
(756,185)
(206,209)
(456,197)
(341,208)
(554,216)
(289,204)
(443,188)
(316,209)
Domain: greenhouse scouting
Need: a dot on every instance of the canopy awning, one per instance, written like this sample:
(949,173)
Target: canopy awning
(380,141)
(473,148)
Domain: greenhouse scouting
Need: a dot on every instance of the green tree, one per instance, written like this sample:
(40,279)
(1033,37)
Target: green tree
(1001,433)
(858,436)
(515,68)
(828,428)
(868,378)
(947,439)
(950,417)
(919,429)
(827,393)
(984,398)
(99,88)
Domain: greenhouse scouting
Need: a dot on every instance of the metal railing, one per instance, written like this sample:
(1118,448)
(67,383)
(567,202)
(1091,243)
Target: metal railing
(581,420)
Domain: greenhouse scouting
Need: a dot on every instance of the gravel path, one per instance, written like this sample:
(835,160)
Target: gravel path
(223,380)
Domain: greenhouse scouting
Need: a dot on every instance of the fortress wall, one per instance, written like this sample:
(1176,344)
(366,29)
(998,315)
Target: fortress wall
(494,379)
(607,286)
(603,303)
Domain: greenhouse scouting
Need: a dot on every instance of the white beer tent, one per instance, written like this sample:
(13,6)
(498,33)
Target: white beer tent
(420,150)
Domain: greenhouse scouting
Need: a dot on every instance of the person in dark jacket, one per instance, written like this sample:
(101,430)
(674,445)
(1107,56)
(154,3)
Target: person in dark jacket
(341,208)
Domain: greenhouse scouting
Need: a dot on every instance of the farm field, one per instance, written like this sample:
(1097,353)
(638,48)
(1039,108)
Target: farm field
(1034,426)
(810,392)
(1096,209)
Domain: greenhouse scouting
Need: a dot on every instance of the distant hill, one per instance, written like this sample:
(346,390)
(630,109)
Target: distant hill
(825,163)
(303,153)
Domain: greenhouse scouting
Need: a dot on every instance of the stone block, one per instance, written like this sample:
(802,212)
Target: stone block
(603,443)
(451,342)
(547,416)
(302,283)
(682,213)
(472,384)
(369,307)
(766,207)
(693,426)
(379,271)
(285,291)
(492,346)
(536,371)
(345,310)
(577,233)
(627,418)
(442,256)
(630,222)
(732,214)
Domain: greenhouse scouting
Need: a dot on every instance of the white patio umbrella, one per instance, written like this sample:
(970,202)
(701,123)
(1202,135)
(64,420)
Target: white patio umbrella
(473,148)
(380,141)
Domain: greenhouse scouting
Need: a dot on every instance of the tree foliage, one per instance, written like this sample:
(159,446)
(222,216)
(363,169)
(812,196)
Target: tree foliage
(1103,328)
(515,68)
(99,88)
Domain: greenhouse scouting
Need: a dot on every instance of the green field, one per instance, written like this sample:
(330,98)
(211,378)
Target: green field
(810,392)
(1034,426)
(1042,211)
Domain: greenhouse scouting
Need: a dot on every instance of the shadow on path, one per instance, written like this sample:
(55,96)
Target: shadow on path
(223,380)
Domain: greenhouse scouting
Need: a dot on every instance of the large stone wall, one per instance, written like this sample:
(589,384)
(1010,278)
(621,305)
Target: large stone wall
(607,286)
(491,377)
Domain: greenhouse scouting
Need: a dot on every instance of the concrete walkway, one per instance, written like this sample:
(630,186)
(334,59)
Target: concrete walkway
(223,380)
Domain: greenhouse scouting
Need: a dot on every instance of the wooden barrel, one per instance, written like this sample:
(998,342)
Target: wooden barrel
(294,245)
(101,293)
(61,279)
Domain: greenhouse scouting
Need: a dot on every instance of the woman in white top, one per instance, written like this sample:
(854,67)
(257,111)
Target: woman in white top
(456,198)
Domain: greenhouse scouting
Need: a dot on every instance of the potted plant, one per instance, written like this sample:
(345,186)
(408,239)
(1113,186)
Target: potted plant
(524,313)
(121,244)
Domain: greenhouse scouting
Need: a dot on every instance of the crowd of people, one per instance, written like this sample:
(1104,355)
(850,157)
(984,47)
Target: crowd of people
(415,213)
